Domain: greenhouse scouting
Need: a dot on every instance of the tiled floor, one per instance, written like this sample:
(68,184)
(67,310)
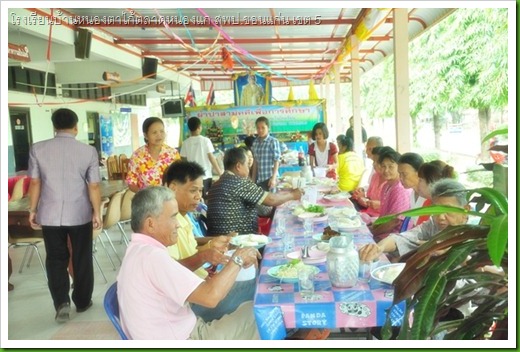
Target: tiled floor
(30,309)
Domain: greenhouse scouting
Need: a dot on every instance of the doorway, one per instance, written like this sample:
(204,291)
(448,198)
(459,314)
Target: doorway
(22,137)
(94,138)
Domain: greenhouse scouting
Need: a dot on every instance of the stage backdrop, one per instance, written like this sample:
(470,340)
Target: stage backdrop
(289,120)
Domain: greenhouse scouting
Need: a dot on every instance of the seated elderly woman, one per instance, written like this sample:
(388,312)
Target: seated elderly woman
(367,199)
(408,168)
(443,192)
(233,198)
(394,197)
(430,173)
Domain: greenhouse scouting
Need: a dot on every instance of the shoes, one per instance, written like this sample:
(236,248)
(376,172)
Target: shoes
(310,334)
(81,310)
(62,313)
(11,286)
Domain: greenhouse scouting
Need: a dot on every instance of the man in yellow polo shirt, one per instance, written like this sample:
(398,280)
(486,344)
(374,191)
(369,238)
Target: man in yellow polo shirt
(186,180)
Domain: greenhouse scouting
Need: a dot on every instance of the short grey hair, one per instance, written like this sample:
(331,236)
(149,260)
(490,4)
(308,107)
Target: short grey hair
(449,188)
(149,202)
(377,140)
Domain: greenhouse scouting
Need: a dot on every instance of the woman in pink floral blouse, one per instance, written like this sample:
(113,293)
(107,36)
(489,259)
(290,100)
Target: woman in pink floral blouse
(148,162)
(394,197)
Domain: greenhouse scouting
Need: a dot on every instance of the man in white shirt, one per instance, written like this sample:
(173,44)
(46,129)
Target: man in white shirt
(199,149)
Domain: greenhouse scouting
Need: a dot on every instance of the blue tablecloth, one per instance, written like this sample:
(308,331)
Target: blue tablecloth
(278,305)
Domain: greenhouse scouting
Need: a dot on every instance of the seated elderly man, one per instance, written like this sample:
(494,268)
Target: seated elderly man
(232,200)
(444,192)
(186,180)
(155,291)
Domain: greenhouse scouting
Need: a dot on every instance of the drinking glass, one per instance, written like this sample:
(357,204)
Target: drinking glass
(365,268)
(333,222)
(308,228)
(280,227)
(288,243)
(306,282)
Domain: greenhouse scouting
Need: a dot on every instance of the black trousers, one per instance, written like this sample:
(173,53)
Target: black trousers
(55,238)
(206,184)
(264,184)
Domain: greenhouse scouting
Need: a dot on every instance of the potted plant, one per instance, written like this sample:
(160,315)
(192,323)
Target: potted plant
(428,282)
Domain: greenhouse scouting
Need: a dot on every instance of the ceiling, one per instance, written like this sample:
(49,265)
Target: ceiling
(290,44)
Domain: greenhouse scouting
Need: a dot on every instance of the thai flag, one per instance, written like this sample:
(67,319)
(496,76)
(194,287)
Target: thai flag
(190,97)
(210,100)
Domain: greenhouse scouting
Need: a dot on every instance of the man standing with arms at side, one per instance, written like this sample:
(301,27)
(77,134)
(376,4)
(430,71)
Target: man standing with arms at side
(267,152)
(65,201)
(199,149)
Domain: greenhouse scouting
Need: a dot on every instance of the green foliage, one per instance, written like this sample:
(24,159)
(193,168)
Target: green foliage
(428,282)
(499,132)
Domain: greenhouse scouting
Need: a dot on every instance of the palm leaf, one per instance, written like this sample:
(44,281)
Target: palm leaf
(430,296)
(497,239)
(494,133)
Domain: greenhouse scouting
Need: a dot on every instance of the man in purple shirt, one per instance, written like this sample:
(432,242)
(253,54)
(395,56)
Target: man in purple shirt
(65,201)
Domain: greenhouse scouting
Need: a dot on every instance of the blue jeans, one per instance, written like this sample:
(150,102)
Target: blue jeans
(241,292)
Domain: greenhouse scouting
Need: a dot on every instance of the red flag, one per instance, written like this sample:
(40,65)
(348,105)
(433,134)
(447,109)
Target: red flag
(190,97)
(210,100)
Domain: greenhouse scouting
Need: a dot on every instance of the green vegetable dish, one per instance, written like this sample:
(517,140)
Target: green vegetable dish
(315,209)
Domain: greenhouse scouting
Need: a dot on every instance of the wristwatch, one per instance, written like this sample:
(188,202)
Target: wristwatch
(238,261)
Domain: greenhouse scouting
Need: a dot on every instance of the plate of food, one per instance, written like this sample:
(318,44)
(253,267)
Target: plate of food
(309,208)
(289,272)
(327,234)
(250,240)
(349,224)
(315,256)
(341,212)
(322,246)
(387,273)
(314,216)
(335,197)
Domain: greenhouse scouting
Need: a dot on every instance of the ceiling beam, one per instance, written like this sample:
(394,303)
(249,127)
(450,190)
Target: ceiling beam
(257,53)
(241,40)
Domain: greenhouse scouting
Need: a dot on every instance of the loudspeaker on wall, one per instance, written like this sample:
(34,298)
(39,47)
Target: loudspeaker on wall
(150,67)
(82,44)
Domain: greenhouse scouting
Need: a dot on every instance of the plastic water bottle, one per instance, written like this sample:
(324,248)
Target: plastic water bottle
(301,157)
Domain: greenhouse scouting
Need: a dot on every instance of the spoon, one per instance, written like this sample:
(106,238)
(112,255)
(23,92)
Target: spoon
(305,252)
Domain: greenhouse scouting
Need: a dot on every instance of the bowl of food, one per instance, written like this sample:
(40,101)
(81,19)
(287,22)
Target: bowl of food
(387,273)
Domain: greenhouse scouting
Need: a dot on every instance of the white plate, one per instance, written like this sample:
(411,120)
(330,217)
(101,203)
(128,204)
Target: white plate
(250,240)
(317,237)
(387,273)
(337,196)
(322,246)
(341,211)
(315,256)
(316,217)
(273,272)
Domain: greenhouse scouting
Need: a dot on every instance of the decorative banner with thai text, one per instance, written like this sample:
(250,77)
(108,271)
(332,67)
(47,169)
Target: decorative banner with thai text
(286,119)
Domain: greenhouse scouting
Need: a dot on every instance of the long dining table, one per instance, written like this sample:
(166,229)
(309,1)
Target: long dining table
(279,306)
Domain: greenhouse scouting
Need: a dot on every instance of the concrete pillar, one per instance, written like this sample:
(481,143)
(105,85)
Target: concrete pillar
(337,125)
(401,82)
(356,94)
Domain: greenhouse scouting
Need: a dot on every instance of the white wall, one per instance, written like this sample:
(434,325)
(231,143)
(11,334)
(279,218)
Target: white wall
(41,125)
